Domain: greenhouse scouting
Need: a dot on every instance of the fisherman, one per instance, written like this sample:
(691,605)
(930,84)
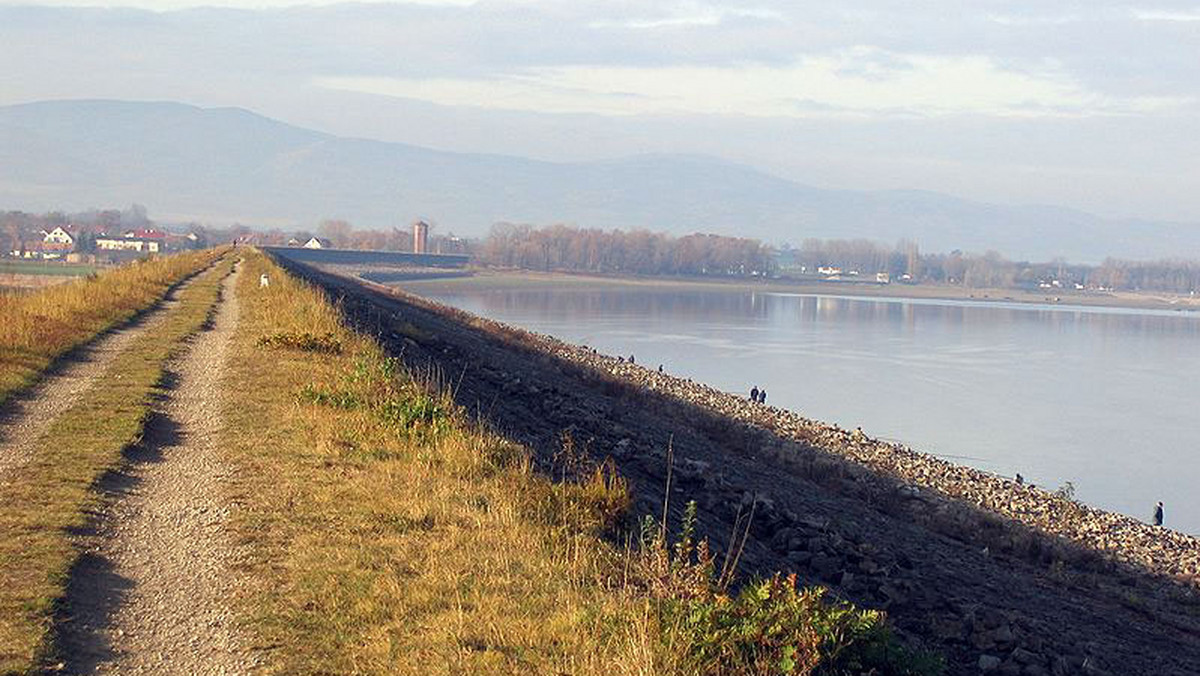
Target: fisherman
(1158,514)
(754,394)
(1020,479)
(631,359)
(762,396)
(660,368)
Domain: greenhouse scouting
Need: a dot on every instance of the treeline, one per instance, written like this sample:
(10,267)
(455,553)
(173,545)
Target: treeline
(1172,276)
(905,262)
(562,247)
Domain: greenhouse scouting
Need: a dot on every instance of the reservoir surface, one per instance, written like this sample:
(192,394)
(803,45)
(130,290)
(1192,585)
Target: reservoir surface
(1103,398)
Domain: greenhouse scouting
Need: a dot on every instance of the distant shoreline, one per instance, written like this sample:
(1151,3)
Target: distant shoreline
(1123,300)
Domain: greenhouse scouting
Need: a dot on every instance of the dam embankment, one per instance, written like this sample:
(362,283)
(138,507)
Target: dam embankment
(996,576)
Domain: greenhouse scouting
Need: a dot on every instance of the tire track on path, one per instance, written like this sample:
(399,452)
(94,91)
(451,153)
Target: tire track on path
(150,593)
(27,416)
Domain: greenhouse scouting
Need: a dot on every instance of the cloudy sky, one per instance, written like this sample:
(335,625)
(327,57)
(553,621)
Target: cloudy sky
(1094,105)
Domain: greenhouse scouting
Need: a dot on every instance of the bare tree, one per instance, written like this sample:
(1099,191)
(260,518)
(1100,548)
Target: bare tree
(336,231)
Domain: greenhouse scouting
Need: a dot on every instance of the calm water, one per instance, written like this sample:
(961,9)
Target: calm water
(1103,398)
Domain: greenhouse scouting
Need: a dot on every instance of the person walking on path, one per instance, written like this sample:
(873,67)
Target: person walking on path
(1158,514)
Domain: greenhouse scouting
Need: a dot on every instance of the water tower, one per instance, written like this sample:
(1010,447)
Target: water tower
(420,237)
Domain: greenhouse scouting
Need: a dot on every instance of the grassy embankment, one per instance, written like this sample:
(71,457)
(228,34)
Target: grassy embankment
(40,327)
(387,534)
(43,501)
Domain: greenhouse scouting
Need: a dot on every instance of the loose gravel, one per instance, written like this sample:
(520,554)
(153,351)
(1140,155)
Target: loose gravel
(151,594)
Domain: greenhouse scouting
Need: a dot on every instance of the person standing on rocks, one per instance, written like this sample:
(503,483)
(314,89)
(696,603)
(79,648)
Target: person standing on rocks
(762,396)
(1158,514)
(754,393)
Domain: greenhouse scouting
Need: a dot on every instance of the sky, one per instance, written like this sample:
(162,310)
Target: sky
(1093,105)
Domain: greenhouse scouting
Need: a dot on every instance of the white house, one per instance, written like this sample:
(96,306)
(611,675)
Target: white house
(60,237)
(318,243)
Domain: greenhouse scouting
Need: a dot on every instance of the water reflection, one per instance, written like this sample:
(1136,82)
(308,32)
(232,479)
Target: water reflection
(1101,398)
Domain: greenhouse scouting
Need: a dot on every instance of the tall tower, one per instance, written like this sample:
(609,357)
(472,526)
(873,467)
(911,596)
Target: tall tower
(420,237)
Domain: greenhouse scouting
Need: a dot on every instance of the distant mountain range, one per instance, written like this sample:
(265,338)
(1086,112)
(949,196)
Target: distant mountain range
(226,164)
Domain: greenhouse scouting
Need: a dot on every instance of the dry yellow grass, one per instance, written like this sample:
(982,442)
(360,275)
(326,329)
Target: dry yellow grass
(45,499)
(380,547)
(41,326)
(386,535)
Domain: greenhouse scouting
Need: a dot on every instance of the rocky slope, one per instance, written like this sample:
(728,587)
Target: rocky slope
(998,577)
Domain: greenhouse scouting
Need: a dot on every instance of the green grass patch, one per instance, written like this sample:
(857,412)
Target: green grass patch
(42,501)
(44,268)
(768,626)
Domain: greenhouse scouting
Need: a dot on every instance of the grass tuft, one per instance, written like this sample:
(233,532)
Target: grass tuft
(304,341)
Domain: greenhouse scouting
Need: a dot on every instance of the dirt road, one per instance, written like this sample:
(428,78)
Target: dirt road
(149,596)
(25,418)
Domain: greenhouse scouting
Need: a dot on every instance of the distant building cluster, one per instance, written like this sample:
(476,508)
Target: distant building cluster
(75,243)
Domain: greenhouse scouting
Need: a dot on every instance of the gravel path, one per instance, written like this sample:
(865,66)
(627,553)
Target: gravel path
(26,417)
(150,594)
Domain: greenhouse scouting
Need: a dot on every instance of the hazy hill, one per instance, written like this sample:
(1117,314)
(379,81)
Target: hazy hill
(229,164)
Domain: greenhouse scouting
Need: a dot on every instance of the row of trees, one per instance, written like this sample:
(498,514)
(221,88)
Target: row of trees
(1172,276)
(562,247)
(904,261)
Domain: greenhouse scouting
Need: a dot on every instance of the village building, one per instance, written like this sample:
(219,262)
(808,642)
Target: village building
(318,243)
(138,244)
(55,243)
(146,233)
(59,236)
